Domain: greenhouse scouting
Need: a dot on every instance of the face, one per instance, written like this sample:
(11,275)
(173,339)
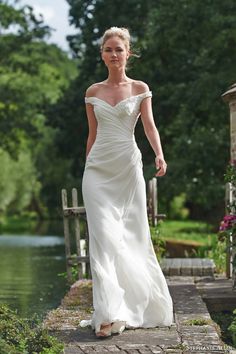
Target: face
(114,52)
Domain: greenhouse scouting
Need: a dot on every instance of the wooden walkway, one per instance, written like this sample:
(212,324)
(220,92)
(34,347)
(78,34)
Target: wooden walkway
(193,331)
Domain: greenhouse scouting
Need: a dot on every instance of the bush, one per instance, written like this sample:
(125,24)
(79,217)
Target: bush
(23,336)
(178,211)
(232,328)
(158,242)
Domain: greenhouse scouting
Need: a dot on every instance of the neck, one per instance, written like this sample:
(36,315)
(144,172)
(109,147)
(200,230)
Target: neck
(117,77)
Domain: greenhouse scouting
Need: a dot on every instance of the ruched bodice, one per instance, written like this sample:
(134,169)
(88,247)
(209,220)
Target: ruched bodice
(128,284)
(115,131)
(118,121)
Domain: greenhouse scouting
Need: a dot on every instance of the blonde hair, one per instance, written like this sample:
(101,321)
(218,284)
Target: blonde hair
(121,32)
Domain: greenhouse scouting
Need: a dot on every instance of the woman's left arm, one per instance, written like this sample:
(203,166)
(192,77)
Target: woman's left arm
(152,134)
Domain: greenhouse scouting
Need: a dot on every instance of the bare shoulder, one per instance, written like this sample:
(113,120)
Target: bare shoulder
(140,87)
(93,89)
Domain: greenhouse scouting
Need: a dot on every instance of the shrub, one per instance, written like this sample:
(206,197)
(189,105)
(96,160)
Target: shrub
(178,211)
(19,335)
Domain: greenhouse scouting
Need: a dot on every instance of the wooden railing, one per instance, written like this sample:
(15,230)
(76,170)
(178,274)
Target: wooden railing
(78,259)
(152,203)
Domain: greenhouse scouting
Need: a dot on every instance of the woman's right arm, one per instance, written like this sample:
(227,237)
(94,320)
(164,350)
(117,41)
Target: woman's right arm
(92,124)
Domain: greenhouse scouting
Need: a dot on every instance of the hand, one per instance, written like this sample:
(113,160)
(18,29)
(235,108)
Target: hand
(161,166)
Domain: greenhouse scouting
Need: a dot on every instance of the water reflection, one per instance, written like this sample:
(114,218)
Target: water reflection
(29,266)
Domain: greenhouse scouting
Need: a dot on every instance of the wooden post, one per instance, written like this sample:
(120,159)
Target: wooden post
(66,233)
(230,97)
(77,231)
(153,200)
(88,268)
(81,261)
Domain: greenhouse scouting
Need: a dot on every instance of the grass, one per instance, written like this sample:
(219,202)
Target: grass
(187,231)
(191,231)
(198,322)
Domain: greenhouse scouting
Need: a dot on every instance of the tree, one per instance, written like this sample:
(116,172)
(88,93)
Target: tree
(33,76)
(188,58)
(192,63)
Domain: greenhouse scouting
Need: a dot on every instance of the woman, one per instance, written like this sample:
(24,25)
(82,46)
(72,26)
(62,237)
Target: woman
(129,288)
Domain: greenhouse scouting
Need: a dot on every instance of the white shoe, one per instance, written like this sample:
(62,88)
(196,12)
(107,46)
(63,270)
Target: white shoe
(85,323)
(118,327)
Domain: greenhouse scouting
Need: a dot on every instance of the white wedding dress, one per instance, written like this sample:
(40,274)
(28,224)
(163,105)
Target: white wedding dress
(128,283)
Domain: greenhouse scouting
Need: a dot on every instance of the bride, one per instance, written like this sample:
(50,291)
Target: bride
(129,288)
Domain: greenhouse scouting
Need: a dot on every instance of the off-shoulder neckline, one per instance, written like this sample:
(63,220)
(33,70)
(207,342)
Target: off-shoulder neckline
(125,99)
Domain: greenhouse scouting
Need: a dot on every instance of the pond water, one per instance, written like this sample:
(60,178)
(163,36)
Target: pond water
(29,268)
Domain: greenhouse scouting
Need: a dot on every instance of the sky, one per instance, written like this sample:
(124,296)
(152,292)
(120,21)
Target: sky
(55,14)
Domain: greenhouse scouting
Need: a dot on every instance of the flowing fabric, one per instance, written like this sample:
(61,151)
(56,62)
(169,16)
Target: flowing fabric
(128,283)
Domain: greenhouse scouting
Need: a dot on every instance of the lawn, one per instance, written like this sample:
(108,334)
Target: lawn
(189,231)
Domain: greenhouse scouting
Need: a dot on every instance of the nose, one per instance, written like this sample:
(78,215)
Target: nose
(113,54)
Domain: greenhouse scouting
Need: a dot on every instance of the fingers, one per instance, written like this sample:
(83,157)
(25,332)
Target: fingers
(160,172)
(161,166)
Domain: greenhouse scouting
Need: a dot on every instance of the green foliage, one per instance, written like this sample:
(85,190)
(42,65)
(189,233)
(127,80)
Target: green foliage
(230,177)
(178,209)
(232,328)
(190,230)
(227,229)
(18,181)
(230,174)
(198,322)
(20,223)
(187,58)
(216,251)
(227,323)
(22,336)
(158,242)
(188,55)
(189,76)
(33,76)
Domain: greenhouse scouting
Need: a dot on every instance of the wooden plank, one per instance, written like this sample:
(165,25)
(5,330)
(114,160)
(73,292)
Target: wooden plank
(66,234)
(149,201)
(160,217)
(64,198)
(83,254)
(74,211)
(87,265)
(154,201)
(78,260)
(77,231)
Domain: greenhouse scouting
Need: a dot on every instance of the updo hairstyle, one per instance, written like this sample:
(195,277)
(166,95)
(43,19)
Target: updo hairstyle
(121,32)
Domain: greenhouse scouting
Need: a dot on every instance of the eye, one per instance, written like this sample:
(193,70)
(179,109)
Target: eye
(107,49)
